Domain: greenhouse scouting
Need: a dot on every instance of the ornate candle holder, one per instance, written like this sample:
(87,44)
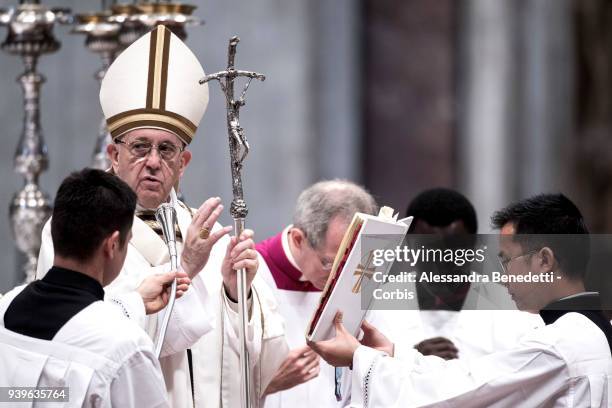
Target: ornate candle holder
(175,16)
(131,29)
(102,38)
(30,35)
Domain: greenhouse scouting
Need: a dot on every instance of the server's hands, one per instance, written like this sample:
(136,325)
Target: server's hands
(339,350)
(155,289)
(375,339)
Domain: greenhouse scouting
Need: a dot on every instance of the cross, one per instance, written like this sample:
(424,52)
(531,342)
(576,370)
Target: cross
(362,271)
(239,146)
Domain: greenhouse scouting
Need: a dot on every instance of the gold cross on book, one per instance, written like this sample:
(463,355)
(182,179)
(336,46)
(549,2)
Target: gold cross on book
(362,271)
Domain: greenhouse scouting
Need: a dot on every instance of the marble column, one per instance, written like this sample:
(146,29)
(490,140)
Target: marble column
(488,101)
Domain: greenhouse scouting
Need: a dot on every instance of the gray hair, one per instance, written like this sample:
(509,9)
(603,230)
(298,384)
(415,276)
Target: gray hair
(325,200)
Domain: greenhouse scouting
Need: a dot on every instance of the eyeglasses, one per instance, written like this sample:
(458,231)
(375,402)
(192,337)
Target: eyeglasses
(504,262)
(326,263)
(141,148)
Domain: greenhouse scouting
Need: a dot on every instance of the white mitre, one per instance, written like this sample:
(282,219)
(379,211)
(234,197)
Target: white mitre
(154,84)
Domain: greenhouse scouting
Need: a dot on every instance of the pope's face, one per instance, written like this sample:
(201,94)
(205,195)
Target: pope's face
(151,177)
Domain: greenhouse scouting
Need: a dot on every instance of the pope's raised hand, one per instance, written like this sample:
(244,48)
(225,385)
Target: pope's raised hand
(240,253)
(200,238)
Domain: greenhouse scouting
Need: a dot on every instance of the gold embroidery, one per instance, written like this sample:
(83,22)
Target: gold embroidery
(148,217)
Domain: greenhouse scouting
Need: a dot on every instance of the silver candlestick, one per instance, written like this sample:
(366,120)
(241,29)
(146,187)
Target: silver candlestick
(131,29)
(102,38)
(175,16)
(30,34)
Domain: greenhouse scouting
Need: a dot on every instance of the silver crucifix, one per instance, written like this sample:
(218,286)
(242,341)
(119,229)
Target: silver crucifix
(239,149)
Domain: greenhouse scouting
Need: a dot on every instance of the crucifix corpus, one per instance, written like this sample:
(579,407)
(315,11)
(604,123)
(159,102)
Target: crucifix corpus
(239,149)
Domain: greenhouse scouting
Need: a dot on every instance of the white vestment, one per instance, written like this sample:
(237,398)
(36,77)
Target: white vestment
(564,364)
(297,308)
(477,330)
(203,320)
(475,333)
(100,355)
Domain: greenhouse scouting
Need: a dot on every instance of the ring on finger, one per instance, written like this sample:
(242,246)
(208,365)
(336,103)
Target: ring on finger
(204,233)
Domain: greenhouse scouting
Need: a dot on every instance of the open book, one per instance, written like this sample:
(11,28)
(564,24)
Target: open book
(354,263)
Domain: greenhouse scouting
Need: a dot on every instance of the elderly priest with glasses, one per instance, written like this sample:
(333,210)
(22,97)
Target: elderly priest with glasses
(153,103)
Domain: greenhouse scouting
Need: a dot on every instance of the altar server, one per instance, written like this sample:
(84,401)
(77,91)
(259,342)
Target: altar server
(567,363)
(58,331)
(449,323)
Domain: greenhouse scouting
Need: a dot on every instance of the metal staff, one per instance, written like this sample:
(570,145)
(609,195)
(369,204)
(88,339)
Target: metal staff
(166,216)
(239,149)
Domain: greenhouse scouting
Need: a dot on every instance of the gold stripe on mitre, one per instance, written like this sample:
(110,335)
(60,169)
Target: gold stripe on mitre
(154,113)
(157,81)
(152,118)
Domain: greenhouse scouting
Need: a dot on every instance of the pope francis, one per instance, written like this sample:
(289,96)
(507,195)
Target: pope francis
(153,104)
